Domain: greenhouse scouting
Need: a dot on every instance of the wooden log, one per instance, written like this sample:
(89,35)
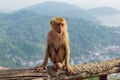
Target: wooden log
(88,70)
(23,74)
(83,71)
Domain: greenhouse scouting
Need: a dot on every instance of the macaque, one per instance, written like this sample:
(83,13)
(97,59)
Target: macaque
(57,49)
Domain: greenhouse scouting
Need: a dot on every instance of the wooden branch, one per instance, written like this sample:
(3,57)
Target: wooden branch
(86,70)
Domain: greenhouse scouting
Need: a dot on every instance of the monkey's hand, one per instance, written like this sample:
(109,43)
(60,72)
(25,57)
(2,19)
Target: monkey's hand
(40,68)
(57,66)
(69,70)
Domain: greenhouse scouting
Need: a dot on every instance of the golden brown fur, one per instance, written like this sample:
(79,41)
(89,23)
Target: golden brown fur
(57,48)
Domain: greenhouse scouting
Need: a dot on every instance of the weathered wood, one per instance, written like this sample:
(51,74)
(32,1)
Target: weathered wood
(22,74)
(103,77)
(83,71)
(89,70)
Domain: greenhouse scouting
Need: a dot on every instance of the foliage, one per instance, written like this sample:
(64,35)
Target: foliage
(23,37)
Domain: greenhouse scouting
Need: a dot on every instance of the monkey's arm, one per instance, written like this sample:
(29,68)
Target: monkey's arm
(46,57)
(67,56)
(67,52)
(44,64)
(45,61)
(46,52)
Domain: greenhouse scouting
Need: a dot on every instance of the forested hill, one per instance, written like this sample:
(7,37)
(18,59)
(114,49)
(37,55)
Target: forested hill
(23,37)
(59,9)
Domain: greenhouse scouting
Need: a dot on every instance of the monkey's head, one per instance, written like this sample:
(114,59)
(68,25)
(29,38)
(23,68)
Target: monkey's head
(58,24)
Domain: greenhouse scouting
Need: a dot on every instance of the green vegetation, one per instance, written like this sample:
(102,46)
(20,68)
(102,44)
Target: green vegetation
(23,37)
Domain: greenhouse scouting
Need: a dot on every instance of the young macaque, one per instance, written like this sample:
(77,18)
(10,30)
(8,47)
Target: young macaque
(57,49)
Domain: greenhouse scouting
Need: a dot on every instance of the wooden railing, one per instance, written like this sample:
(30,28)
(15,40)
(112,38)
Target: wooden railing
(83,71)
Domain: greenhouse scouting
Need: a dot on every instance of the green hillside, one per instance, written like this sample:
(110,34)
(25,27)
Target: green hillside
(23,35)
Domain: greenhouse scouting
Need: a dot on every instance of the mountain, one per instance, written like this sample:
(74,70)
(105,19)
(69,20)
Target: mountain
(103,11)
(60,9)
(107,15)
(23,37)
(1,14)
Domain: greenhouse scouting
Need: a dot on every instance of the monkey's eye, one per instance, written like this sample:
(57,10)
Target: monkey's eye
(60,24)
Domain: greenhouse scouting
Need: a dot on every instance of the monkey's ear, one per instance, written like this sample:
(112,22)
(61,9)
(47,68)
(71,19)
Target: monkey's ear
(50,22)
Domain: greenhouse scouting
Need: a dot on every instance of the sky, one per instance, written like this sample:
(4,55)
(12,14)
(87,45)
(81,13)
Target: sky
(9,5)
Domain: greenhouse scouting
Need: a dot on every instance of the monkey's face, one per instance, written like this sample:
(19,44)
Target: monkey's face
(58,24)
(59,27)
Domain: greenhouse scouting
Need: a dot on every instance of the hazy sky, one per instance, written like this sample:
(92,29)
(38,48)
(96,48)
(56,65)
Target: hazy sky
(8,5)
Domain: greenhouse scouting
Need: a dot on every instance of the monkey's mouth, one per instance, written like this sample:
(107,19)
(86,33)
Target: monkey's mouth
(59,32)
